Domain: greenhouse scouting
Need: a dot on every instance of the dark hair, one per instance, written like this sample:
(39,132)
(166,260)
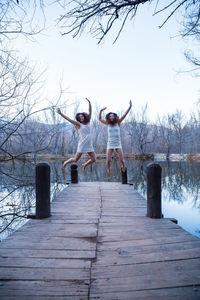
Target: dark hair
(86,117)
(115,118)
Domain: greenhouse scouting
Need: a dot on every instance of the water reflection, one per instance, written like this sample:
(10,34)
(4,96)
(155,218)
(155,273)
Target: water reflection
(17,193)
(180,189)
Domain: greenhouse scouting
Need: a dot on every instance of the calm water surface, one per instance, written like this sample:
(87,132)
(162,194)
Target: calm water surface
(180,189)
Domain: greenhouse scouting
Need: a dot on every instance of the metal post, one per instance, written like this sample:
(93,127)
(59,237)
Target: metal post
(42,182)
(74,173)
(124,176)
(154,191)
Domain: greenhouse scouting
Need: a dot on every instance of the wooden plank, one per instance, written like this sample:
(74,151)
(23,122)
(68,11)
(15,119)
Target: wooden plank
(126,212)
(52,243)
(126,258)
(107,245)
(71,297)
(69,230)
(45,263)
(139,248)
(145,235)
(141,269)
(38,253)
(65,220)
(146,281)
(180,293)
(141,220)
(22,273)
(114,227)
(43,288)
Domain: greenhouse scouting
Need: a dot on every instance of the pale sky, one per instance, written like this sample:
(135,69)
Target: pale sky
(142,65)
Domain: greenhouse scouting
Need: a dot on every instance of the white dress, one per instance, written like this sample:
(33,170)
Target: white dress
(114,138)
(85,139)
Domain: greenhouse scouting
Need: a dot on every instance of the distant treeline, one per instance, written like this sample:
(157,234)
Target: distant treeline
(169,134)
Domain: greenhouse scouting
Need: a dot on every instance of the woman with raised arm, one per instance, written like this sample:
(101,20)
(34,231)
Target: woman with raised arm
(82,123)
(114,139)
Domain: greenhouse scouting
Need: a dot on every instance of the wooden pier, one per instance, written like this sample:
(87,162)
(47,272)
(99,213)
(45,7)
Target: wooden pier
(99,244)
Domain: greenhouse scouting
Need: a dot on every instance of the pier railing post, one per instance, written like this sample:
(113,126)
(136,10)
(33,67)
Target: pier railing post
(74,173)
(124,176)
(154,191)
(42,183)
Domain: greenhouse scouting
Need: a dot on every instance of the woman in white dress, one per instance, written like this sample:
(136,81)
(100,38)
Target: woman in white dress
(114,139)
(82,123)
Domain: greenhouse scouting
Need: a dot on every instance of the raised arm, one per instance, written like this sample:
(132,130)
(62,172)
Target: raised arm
(100,116)
(68,119)
(90,108)
(126,112)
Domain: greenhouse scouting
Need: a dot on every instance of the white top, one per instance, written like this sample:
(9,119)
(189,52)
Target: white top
(114,138)
(85,139)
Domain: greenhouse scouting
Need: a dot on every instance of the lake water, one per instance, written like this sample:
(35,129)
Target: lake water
(180,189)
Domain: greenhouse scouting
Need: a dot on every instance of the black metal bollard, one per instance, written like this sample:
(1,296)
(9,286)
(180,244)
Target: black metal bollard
(42,182)
(154,191)
(124,176)
(74,173)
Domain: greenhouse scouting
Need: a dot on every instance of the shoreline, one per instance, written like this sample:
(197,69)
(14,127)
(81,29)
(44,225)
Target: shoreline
(134,156)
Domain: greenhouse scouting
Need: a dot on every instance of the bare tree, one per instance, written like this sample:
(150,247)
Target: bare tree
(16,84)
(21,17)
(98,17)
(177,121)
(140,131)
(98,131)
(165,135)
(20,96)
(20,99)
(193,131)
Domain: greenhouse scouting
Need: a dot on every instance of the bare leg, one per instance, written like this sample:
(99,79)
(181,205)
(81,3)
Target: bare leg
(90,161)
(73,159)
(121,158)
(108,159)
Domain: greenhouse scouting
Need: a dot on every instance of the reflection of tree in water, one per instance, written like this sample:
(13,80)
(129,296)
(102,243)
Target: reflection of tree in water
(17,193)
(98,171)
(15,204)
(180,179)
(173,181)
(137,175)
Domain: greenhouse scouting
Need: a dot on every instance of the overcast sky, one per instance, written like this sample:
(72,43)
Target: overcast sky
(143,65)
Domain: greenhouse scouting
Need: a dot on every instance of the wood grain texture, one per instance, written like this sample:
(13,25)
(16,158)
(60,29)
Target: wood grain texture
(99,244)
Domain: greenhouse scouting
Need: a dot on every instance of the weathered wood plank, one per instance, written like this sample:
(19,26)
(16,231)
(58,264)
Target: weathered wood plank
(145,235)
(43,274)
(141,220)
(134,248)
(45,263)
(126,212)
(44,253)
(147,242)
(51,243)
(114,227)
(124,258)
(169,267)
(180,293)
(74,297)
(69,230)
(65,220)
(142,282)
(43,288)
